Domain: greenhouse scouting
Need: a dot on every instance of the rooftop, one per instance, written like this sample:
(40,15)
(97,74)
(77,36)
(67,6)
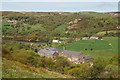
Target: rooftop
(71,53)
(45,52)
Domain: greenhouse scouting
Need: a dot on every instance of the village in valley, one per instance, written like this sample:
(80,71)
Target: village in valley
(60,44)
(73,56)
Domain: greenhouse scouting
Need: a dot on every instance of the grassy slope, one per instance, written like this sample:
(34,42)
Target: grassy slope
(60,28)
(101,48)
(14,69)
(7,28)
(114,43)
(89,44)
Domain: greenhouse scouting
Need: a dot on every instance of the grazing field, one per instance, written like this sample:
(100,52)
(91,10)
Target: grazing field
(89,45)
(105,48)
(114,41)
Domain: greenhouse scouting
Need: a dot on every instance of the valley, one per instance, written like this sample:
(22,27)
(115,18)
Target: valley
(56,44)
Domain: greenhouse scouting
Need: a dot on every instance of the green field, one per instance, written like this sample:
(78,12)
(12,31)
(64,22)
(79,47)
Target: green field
(61,28)
(114,43)
(105,48)
(7,28)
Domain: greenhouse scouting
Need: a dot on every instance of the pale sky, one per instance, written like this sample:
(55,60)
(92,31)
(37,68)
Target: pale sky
(60,6)
(60,0)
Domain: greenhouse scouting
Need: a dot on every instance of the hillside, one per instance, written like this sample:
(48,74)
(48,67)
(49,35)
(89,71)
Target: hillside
(48,44)
(56,24)
(15,69)
(115,14)
(21,63)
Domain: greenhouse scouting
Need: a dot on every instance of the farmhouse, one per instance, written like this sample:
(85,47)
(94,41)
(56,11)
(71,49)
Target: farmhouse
(118,27)
(85,38)
(94,38)
(46,53)
(59,13)
(56,41)
(75,57)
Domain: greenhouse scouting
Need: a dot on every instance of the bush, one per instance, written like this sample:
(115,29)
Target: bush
(110,71)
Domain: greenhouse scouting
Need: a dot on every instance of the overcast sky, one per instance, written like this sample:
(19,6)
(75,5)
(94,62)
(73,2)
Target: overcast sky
(60,0)
(60,6)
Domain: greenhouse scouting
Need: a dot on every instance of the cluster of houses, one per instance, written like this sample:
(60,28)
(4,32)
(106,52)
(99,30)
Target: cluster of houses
(13,21)
(7,20)
(92,38)
(74,22)
(75,57)
(72,25)
(77,39)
